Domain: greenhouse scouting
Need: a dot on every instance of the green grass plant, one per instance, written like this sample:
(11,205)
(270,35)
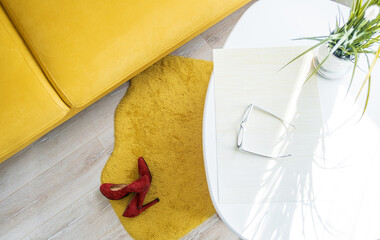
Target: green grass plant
(359,35)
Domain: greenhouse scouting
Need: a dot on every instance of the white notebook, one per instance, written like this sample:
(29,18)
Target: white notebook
(245,76)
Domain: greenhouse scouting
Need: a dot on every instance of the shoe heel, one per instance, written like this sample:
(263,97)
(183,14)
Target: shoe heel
(142,196)
(148,205)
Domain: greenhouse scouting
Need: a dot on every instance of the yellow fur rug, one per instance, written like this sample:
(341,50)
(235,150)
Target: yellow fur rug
(160,119)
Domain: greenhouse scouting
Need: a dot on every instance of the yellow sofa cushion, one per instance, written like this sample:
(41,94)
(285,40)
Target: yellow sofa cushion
(89,47)
(28,104)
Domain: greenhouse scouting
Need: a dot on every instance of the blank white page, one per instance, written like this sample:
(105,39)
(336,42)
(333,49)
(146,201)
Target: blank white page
(245,76)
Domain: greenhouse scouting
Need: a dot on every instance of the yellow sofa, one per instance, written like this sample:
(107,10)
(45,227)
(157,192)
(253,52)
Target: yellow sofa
(58,57)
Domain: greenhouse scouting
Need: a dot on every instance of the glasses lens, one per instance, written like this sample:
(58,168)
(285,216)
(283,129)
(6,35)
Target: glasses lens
(240,136)
(246,113)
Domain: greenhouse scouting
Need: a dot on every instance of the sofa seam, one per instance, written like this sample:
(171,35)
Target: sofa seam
(39,60)
(34,73)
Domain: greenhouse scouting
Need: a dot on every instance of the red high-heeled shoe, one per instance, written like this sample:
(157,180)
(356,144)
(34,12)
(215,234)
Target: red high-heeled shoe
(119,191)
(135,205)
(133,210)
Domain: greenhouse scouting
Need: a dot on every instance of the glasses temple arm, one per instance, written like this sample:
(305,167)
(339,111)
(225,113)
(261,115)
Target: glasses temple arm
(266,156)
(271,114)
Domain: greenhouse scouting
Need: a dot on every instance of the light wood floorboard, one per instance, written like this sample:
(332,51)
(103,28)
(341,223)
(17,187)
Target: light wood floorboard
(52,191)
(107,140)
(49,190)
(89,217)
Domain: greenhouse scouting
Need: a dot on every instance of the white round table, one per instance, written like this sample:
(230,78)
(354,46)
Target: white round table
(354,212)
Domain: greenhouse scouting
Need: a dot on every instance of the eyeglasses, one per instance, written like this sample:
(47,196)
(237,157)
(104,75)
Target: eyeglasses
(240,138)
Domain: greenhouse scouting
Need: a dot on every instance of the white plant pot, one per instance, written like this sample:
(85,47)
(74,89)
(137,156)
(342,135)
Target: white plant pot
(333,67)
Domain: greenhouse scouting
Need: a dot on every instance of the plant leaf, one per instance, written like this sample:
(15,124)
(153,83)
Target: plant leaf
(367,98)
(353,71)
(369,72)
(308,50)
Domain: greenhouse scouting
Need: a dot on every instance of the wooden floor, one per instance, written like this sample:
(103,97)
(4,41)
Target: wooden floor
(50,189)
